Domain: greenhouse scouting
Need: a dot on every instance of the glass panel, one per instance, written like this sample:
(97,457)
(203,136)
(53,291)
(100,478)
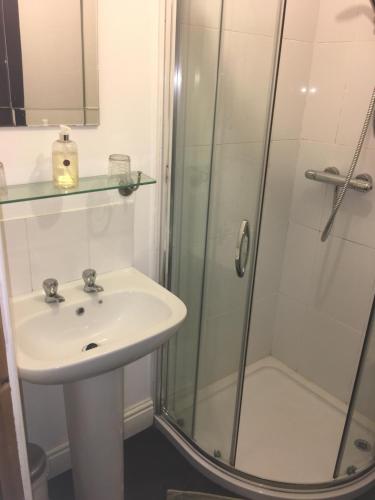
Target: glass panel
(249,40)
(311,298)
(40,190)
(198,38)
(358,445)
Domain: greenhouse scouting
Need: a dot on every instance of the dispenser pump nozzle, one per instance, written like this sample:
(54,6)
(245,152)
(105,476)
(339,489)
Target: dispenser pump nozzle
(64,132)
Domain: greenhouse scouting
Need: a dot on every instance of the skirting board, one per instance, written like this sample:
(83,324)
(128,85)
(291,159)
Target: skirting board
(136,418)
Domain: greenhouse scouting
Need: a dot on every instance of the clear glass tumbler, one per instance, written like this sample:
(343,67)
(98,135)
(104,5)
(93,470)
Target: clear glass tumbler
(119,166)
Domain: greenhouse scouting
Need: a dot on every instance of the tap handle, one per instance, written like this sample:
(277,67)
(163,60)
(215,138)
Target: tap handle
(50,286)
(89,277)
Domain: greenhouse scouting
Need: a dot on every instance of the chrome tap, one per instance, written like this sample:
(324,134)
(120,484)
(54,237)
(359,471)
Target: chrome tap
(50,286)
(89,277)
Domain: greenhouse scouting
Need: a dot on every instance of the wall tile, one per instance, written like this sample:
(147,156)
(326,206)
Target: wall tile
(337,21)
(300,252)
(261,328)
(224,290)
(288,327)
(344,275)
(59,205)
(281,172)
(110,230)
(198,13)
(18,256)
(270,255)
(301,19)
(144,234)
(329,354)
(365,21)
(244,87)
(221,334)
(275,216)
(360,85)
(254,16)
(198,83)
(292,87)
(58,247)
(237,170)
(324,101)
(308,196)
(195,186)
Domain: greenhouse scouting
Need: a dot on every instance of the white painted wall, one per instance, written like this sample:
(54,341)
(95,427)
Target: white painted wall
(60,237)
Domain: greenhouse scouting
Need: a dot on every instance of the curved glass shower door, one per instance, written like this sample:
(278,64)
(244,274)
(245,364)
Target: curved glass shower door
(261,376)
(357,451)
(195,84)
(224,74)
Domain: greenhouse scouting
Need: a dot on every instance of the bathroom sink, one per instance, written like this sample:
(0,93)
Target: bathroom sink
(90,334)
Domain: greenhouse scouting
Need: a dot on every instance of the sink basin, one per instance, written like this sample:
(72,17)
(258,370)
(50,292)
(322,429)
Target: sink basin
(90,334)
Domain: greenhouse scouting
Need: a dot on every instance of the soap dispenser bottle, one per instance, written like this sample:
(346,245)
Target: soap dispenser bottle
(65,160)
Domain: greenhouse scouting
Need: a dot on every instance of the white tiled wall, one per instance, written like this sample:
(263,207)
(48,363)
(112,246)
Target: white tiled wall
(62,245)
(293,78)
(61,237)
(326,289)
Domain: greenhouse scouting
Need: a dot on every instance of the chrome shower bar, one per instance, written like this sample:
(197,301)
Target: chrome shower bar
(331,175)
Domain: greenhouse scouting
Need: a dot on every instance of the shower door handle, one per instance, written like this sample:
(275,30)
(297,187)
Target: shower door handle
(242,252)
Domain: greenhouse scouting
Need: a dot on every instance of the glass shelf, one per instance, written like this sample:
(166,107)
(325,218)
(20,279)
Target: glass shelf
(41,190)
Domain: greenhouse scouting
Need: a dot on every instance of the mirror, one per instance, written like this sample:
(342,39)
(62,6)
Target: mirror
(48,63)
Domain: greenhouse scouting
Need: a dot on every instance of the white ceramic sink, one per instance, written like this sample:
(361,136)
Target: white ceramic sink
(129,319)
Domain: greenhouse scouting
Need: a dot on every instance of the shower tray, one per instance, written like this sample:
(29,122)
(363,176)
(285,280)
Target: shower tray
(282,410)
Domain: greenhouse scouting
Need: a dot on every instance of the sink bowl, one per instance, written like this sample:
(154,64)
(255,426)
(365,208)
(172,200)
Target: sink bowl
(90,334)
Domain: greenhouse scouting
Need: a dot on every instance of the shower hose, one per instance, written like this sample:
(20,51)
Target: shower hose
(341,193)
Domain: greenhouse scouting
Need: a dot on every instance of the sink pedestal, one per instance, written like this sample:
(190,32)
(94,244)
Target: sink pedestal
(94,412)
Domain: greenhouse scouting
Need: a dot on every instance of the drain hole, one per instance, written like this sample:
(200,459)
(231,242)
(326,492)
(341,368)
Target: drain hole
(352,469)
(362,445)
(80,311)
(92,345)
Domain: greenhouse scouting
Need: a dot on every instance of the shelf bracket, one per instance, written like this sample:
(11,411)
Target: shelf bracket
(128,190)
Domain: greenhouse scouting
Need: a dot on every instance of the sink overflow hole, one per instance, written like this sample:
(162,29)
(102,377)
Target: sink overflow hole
(80,311)
(89,346)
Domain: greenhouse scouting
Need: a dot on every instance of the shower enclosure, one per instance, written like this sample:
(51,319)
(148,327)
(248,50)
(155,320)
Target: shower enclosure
(269,386)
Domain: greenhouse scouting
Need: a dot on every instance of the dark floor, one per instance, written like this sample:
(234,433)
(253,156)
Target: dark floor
(152,466)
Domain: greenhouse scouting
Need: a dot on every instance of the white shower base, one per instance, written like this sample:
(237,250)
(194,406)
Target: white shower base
(290,428)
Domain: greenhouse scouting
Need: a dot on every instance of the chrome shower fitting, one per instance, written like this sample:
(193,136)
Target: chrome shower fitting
(50,286)
(339,194)
(89,277)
